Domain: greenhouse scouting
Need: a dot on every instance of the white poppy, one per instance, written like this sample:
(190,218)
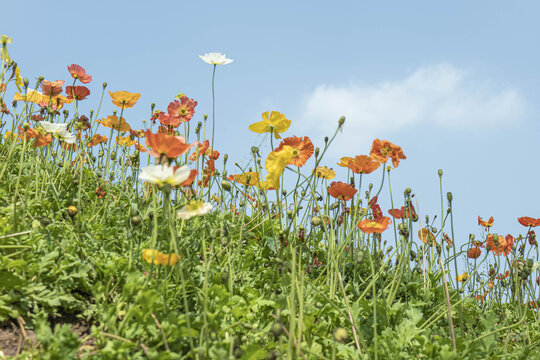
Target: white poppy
(215,58)
(163,174)
(194,208)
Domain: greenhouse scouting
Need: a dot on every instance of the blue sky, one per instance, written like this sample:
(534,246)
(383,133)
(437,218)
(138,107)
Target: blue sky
(455,84)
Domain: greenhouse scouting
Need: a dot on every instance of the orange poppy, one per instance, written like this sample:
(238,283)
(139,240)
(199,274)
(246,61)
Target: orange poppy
(448,240)
(426,236)
(529,221)
(192,175)
(302,149)
(124,99)
(403,212)
(250,178)
(52,88)
(57,102)
(374,226)
(202,149)
(488,223)
(137,133)
(113,122)
(499,245)
(77,92)
(341,191)
(96,140)
(382,150)
(168,145)
(41,138)
(474,252)
(361,164)
(78,72)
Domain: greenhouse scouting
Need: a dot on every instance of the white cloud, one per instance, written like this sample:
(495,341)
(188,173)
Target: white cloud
(441,95)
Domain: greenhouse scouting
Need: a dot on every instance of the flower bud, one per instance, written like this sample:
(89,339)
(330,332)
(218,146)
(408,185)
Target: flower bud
(341,121)
(440,172)
(104,85)
(72,211)
(316,221)
(136,220)
(341,335)
(25,82)
(226,185)
(449,196)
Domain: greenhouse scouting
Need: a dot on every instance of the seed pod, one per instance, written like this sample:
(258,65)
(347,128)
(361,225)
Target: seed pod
(316,221)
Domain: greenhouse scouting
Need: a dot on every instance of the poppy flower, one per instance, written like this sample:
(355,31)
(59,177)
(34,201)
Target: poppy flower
(58,131)
(374,226)
(342,191)
(361,164)
(163,174)
(375,208)
(463,277)
(474,252)
(303,149)
(488,223)
(276,123)
(215,58)
(426,236)
(113,122)
(499,245)
(96,140)
(125,141)
(78,72)
(324,172)
(52,88)
(503,276)
(31,95)
(448,240)
(201,149)
(168,145)
(159,258)
(275,164)
(382,150)
(179,111)
(77,92)
(56,102)
(124,99)
(532,237)
(403,212)
(250,178)
(529,221)
(40,136)
(194,208)
(137,133)
(192,175)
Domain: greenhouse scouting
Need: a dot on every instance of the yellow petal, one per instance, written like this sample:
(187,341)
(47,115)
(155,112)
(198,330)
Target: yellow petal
(276,163)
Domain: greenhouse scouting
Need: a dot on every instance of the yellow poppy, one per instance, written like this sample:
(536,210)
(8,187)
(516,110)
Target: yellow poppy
(113,122)
(275,164)
(124,99)
(250,178)
(324,172)
(276,123)
(426,236)
(125,141)
(159,258)
(463,277)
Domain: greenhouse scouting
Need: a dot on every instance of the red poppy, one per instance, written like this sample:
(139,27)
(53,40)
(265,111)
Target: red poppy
(168,145)
(382,150)
(529,221)
(474,252)
(499,245)
(78,72)
(374,226)
(341,191)
(77,92)
(192,175)
(488,223)
(302,149)
(503,276)
(52,88)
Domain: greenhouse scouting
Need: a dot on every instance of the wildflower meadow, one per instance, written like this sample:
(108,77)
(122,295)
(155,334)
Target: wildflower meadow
(125,243)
